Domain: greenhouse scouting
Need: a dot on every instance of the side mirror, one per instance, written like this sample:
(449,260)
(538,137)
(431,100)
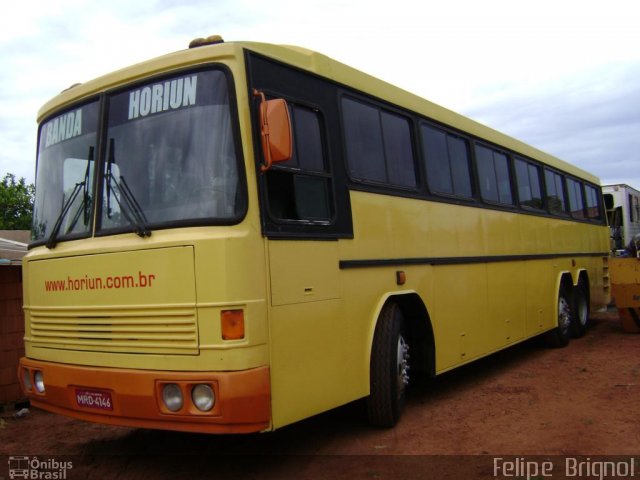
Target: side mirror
(275,130)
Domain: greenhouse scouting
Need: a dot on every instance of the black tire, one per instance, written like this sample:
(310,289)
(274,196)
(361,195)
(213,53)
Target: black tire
(580,318)
(389,368)
(559,337)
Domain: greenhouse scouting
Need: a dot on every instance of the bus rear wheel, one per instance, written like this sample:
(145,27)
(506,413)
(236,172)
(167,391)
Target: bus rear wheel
(560,336)
(389,374)
(580,321)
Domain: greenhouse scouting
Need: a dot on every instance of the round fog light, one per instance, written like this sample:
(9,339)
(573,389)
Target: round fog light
(172,397)
(26,379)
(38,379)
(203,397)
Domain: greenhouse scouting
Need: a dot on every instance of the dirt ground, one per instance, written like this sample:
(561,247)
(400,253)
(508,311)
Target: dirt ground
(526,402)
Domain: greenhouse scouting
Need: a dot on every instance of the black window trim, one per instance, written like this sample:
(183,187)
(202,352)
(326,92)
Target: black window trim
(582,195)
(422,191)
(474,199)
(372,185)
(565,213)
(102,98)
(425,193)
(599,201)
(528,162)
(101,101)
(328,173)
(514,205)
(235,126)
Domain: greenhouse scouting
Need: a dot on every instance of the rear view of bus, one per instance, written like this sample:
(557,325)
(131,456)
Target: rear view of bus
(144,286)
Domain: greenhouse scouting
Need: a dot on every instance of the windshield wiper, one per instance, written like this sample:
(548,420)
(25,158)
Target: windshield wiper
(84,186)
(52,241)
(129,206)
(85,205)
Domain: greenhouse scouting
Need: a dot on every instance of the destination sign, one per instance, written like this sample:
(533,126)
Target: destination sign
(160,97)
(63,128)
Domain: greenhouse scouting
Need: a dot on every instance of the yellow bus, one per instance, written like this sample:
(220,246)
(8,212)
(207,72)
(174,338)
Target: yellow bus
(238,236)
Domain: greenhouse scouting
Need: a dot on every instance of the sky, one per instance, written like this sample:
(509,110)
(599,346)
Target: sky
(560,75)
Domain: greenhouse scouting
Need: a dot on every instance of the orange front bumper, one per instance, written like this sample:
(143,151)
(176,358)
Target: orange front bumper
(135,397)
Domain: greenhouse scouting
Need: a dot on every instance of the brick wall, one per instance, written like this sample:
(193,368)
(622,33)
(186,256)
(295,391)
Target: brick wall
(11,332)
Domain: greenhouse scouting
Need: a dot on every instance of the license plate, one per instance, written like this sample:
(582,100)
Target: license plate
(98,399)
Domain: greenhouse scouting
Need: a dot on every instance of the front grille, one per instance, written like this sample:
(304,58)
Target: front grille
(126,330)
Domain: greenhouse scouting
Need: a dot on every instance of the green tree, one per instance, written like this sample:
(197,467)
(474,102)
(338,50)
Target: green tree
(16,203)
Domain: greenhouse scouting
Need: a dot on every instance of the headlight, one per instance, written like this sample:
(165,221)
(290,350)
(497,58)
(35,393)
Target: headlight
(38,379)
(172,397)
(203,397)
(26,380)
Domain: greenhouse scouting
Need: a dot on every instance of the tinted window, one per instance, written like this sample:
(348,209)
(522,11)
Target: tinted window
(171,153)
(576,204)
(300,189)
(436,156)
(493,174)
(593,205)
(378,143)
(307,142)
(528,181)
(398,150)
(64,177)
(459,158)
(363,135)
(555,192)
(447,162)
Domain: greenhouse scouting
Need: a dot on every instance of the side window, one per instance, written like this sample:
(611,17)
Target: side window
(593,204)
(528,181)
(398,150)
(555,192)
(307,140)
(363,135)
(300,189)
(446,159)
(576,203)
(493,174)
(378,144)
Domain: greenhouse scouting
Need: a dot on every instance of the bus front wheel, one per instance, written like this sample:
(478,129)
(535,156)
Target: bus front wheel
(389,375)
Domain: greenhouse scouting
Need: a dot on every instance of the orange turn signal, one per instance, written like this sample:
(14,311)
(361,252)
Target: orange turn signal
(232,324)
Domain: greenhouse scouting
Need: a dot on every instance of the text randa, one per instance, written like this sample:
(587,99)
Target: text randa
(63,128)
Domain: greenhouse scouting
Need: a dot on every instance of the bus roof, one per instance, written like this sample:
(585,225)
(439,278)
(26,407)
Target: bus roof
(318,64)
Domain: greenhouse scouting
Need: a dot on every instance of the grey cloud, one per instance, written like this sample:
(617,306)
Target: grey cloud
(591,121)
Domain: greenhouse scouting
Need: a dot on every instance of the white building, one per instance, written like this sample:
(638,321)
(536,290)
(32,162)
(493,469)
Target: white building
(623,212)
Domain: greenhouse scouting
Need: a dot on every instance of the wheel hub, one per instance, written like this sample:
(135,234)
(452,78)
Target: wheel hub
(403,362)
(564,314)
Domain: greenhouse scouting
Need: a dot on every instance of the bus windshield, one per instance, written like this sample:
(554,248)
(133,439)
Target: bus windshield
(171,154)
(64,178)
(168,158)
